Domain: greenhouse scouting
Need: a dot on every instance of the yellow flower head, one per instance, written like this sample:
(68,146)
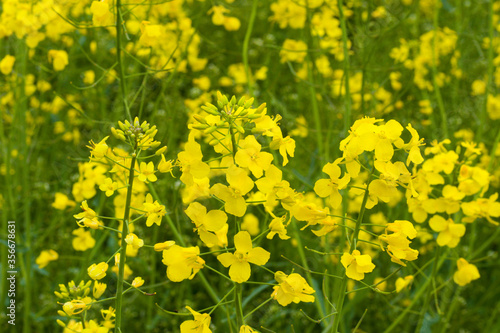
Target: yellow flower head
(99,289)
(97,272)
(45,257)
(292,288)
(449,232)
(182,262)
(357,265)
(58,58)
(466,272)
(200,324)
(238,262)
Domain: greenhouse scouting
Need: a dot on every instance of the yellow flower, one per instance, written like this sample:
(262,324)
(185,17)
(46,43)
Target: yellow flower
(449,232)
(398,244)
(88,218)
(238,263)
(109,186)
(191,164)
(403,283)
(158,247)
(182,262)
(278,226)
(101,15)
(466,272)
(292,288)
(249,156)
(330,187)
(286,146)
(357,265)
(150,34)
(482,207)
(134,241)
(200,324)
(45,257)
(99,289)
(98,150)
(7,64)
(165,166)
(147,172)
(62,201)
(83,240)
(293,50)
(251,224)
(154,210)
(97,272)
(58,58)
(207,224)
(239,185)
(138,281)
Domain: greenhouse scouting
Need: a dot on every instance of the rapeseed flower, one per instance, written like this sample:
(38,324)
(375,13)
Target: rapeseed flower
(466,273)
(200,324)
(292,288)
(357,265)
(238,262)
(45,257)
(182,262)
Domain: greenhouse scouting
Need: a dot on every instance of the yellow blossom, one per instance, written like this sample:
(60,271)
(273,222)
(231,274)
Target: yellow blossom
(238,263)
(6,64)
(83,240)
(182,262)
(200,324)
(137,282)
(45,257)
(292,288)
(147,172)
(59,59)
(466,273)
(449,232)
(357,265)
(97,272)
(207,224)
(402,283)
(99,289)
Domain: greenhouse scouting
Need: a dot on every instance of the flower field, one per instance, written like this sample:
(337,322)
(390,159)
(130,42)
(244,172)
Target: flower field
(243,166)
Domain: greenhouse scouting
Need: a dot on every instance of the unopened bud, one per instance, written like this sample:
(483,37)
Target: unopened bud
(209,130)
(161,151)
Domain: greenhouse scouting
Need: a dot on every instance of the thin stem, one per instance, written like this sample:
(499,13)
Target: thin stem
(442,111)
(238,294)
(123,252)
(352,247)
(245,45)
(347,114)
(489,80)
(121,70)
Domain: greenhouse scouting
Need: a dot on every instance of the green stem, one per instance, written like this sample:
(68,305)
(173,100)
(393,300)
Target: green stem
(245,45)
(303,259)
(123,252)
(238,294)
(427,300)
(416,298)
(121,71)
(489,80)
(442,111)
(352,247)
(347,114)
